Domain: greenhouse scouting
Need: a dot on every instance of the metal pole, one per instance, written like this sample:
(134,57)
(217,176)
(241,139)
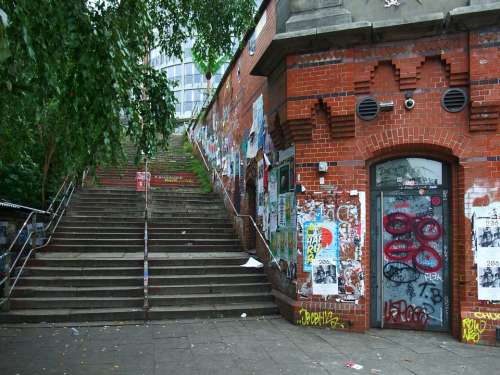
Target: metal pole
(5,306)
(33,231)
(381,252)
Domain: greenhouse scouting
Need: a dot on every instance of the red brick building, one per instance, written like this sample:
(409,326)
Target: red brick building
(364,141)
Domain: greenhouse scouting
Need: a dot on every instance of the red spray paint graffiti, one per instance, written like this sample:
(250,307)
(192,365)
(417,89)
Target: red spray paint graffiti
(400,312)
(424,257)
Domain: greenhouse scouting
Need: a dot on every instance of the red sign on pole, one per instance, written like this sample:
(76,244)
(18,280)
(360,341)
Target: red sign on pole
(141,179)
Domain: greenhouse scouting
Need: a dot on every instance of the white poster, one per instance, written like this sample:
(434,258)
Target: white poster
(487,243)
(281,211)
(324,277)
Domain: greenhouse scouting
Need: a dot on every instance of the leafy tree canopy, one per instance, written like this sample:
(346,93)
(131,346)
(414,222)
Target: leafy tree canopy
(75,84)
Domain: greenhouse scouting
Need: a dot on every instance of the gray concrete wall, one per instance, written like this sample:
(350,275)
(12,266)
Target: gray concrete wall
(374,10)
(295,15)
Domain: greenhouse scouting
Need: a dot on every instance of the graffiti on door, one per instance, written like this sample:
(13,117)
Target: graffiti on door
(414,252)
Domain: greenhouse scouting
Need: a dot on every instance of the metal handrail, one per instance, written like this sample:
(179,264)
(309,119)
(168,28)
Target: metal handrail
(21,207)
(68,189)
(146,250)
(264,241)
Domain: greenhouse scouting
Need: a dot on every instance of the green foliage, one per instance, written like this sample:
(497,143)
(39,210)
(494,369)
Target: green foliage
(204,179)
(74,83)
(211,65)
(197,166)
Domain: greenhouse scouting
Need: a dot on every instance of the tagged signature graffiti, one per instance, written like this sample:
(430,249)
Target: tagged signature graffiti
(320,319)
(472,330)
(402,312)
(487,315)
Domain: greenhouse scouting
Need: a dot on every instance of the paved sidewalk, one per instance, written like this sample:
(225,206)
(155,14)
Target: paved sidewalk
(234,346)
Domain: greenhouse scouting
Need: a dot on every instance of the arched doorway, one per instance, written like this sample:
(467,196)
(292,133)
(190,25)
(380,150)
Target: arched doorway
(410,237)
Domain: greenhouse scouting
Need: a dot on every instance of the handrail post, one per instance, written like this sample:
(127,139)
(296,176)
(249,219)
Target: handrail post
(33,232)
(5,306)
(146,255)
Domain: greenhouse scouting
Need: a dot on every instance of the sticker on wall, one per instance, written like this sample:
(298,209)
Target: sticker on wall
(324,277)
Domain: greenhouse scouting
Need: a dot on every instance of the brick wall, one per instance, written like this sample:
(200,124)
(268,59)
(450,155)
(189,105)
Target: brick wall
(310,102)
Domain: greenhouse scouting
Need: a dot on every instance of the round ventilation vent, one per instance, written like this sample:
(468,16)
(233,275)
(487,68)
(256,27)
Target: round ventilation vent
(367,108)
(454,100)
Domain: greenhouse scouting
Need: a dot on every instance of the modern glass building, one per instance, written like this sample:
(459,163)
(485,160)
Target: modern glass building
(191,87)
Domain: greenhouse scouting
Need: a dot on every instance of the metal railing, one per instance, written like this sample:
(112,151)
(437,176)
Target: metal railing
(16,267)
(226,194)
(146,238)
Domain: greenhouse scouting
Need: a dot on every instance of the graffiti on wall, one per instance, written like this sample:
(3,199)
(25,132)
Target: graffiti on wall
(478,323)
(332,229)
(320,319)
(472,330)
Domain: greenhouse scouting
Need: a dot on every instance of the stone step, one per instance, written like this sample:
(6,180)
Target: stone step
(72,315)
(131,248)
(94,281)
(127,219)
(139,229)
(135,314)
(139,235)
(80,281)
(212,260)
(76,302)
(136,271)
(209,288)
(109,291)
(102,202)
(33,271)
(238,278)
(152,241)
(225,310)
(209,298)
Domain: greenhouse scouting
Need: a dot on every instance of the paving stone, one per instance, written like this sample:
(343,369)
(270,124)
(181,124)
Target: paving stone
(300,351)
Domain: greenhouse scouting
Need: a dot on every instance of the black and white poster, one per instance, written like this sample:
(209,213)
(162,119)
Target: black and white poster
(487,242)
(324,277)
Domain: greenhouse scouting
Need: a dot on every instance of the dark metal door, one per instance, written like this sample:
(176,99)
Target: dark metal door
(410,235)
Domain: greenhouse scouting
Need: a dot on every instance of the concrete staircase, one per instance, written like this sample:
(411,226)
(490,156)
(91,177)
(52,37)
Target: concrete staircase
(93,268)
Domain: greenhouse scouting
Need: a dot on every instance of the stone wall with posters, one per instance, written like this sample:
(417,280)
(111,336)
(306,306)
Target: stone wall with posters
(311,160)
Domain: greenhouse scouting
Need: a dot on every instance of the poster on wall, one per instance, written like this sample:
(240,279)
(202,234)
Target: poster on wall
(273,201)
(320,242)
(324,277)
(487,242)
(285,210)
(260,188)
(284,179)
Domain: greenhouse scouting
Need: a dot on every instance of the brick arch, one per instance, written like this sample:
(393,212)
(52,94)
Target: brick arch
(417,140)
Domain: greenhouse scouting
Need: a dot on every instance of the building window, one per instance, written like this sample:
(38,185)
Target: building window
(193,99)
(170,72)
(191,75)
(178,105)
(178,74)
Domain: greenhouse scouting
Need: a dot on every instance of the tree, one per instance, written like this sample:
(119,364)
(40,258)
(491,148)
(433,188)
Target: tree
(75,86)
